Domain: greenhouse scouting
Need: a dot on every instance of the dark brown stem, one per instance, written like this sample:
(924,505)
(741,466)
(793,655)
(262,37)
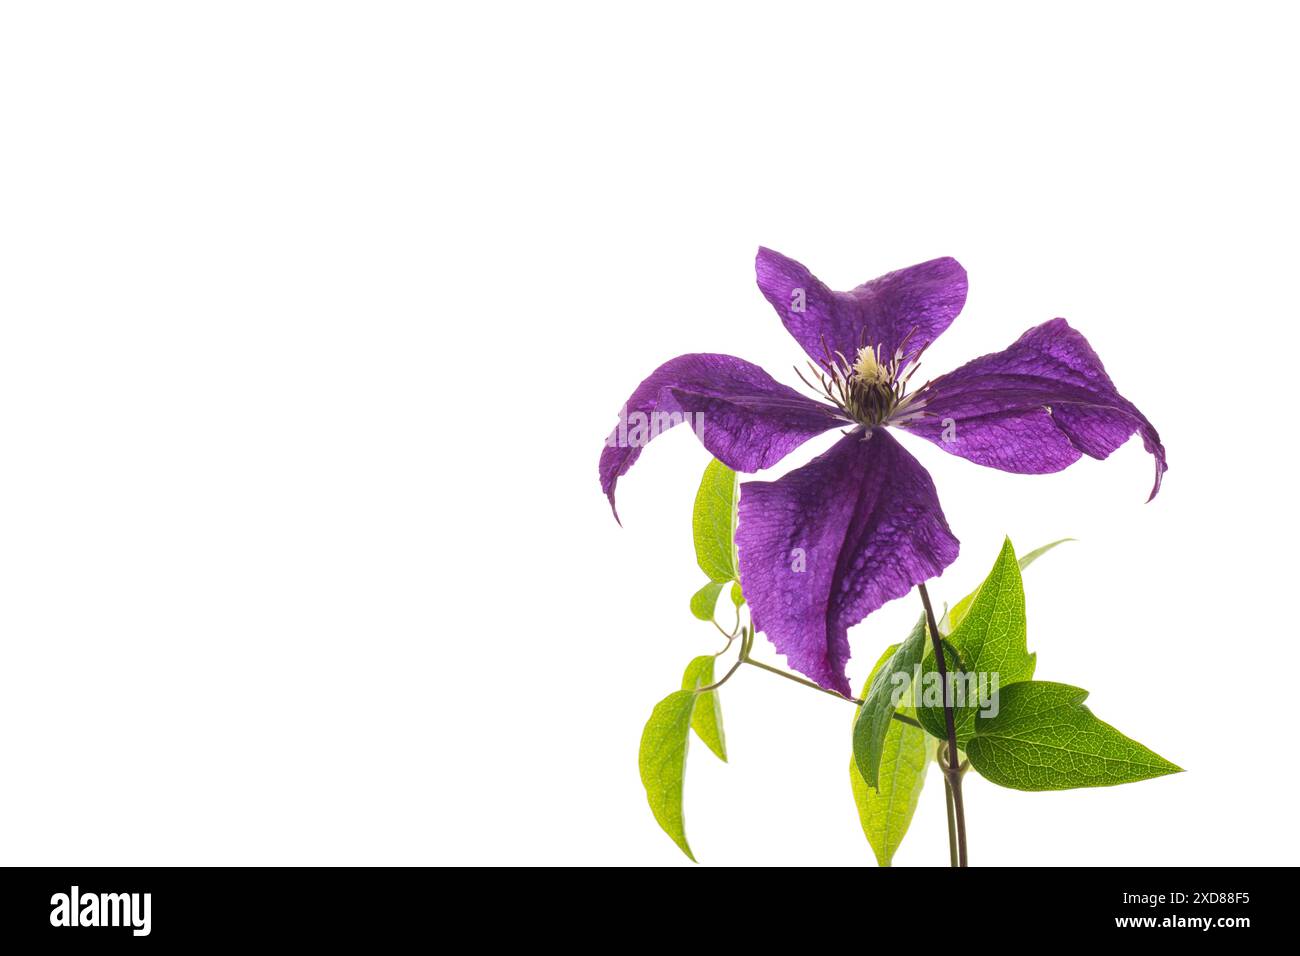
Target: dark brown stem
(952,822)
(952,770)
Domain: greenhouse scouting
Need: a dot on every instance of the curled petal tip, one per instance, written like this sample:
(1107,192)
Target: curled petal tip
(1160,477)
(743,416)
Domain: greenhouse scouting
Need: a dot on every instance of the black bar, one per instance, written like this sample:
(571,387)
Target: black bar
(213,905)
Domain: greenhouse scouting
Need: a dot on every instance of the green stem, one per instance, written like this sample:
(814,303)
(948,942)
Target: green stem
(902,718)
(740,659)
(799,680)
(952,823)
(716,684)
(730,637)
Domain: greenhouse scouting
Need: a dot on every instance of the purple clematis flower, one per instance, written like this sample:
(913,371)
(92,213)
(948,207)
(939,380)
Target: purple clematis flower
(830,542)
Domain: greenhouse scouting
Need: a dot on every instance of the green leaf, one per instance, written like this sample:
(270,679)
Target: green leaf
(1032,556)
(877,712)
(663,762)
(954,616)
(886,809)
(707,719)
(1044,738)
(714,522)
(705,600)
(989,640)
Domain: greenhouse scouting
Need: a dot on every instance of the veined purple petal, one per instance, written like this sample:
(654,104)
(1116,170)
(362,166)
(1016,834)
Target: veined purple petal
(827,544)
(906,309)
(743,416)
(1037,407)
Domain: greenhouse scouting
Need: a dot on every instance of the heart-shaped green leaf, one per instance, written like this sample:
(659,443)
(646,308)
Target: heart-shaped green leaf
(705,600)
(989,642)
(885,809)
(1044,738)
(713,522)
(663,762)
(958,611)
(877,712)
(707,718)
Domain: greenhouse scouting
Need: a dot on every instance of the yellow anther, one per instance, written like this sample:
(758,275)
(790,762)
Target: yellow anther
(868,370)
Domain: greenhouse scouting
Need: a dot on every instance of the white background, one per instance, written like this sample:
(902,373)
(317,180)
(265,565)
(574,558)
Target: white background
(314,317)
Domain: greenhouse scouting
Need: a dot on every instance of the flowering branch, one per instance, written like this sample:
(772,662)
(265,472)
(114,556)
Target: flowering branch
(809,546)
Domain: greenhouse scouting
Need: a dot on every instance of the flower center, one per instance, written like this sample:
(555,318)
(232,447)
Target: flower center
(872,394)
(867,390)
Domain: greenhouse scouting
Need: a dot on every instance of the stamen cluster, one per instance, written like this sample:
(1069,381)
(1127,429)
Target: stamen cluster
(866,390)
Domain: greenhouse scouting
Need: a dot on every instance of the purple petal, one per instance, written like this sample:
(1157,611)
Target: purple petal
(826,545)
(1034,408)
(908,308)
(744,417)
